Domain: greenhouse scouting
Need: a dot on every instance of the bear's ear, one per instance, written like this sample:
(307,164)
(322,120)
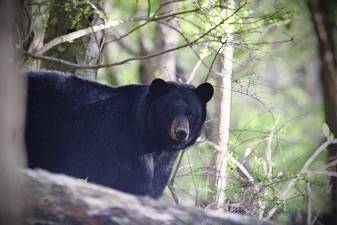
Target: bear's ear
(158,87)
(204,92)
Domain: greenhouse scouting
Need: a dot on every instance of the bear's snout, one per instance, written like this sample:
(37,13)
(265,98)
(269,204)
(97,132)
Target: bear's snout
(181,134)
(180,129)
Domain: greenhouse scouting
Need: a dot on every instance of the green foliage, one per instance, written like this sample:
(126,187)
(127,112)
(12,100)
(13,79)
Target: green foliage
(77,10)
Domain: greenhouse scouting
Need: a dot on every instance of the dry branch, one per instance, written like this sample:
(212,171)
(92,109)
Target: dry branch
(58,199)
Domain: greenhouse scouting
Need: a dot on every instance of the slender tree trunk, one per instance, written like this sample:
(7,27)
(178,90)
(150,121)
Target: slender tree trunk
(219,134)
(163,66)
(324,17)
(65,18)
(12,98)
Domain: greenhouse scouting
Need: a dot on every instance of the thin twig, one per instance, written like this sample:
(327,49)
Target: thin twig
(269,151)
(164,4)
(124,45)
(174,174)
(241,167)
(214,58)
(187,41)
(193,180)
(309,203)
(173,193)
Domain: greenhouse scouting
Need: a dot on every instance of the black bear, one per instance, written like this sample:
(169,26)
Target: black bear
(126,138)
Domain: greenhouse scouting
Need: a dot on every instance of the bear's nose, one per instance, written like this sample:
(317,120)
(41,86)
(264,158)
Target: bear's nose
(181,134)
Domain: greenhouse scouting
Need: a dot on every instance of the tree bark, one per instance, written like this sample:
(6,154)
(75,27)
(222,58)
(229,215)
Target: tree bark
(12,98)
(22,23)
(58,199)
(146,69)
(38,24)
(219,131)
(323,14)
(65,18)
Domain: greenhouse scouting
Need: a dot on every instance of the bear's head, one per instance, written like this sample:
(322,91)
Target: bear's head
(176,113)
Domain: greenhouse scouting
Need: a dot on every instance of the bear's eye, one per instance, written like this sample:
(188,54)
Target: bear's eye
(190,115)
(172,113)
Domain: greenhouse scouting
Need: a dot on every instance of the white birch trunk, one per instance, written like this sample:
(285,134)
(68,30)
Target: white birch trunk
(225,110)
(221,123)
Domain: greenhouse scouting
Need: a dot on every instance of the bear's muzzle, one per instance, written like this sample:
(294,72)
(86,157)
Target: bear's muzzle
(180,129)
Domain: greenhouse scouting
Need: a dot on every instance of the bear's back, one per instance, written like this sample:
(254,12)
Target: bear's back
(66,90)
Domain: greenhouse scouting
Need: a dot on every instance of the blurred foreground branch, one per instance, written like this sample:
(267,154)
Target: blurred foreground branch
(12,111)
(58,199)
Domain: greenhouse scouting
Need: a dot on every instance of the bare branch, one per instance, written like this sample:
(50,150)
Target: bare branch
(122,43)
(71,36)
(214,58)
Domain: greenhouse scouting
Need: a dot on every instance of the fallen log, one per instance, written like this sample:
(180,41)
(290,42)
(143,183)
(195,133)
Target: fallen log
(59,199)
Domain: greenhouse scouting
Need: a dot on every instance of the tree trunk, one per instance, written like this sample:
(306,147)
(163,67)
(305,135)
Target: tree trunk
(163,66)
(22,33)
(12,98)
(219,133)
(146,69)
(67,17)
(38,24)
(58,199)
(324,17)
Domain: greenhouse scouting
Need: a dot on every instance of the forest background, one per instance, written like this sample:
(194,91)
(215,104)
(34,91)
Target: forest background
(268,149)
